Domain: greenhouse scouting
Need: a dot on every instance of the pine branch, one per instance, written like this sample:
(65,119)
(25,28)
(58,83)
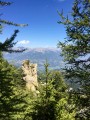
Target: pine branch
(8,44)
(2,3)
(11,23)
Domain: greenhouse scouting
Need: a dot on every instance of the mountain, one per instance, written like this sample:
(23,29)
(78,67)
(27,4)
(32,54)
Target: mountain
(37,55)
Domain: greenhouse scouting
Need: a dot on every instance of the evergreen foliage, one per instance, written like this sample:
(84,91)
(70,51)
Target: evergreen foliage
(12,100)
(76,51)
(55,101)
(11,97)
(3,3)
(52,101)
(8,44)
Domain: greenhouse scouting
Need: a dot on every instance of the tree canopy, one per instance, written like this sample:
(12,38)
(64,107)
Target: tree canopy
(9,43)
(76,48)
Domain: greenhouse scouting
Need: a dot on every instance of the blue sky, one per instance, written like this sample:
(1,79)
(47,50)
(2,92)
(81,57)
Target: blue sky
(41,17)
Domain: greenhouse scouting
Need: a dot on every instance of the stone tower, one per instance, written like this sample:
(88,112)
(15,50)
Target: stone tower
(30,75)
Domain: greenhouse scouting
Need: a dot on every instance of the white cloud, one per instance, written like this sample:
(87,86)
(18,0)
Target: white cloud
(24,42)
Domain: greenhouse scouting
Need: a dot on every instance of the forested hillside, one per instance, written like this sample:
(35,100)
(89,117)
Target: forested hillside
(53,99)
(39,56)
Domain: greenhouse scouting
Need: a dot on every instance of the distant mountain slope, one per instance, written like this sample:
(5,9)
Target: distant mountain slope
(37,55)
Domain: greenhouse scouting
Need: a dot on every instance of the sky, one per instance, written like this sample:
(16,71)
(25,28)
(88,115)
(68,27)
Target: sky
(41,17)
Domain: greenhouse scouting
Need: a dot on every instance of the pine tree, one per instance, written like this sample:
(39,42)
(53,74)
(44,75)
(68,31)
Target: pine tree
(52,102)
(15,101)
(76,51)
(7,78)
(9,43)
(12,94)
(2,4)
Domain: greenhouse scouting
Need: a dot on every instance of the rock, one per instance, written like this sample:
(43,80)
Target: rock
(30,75)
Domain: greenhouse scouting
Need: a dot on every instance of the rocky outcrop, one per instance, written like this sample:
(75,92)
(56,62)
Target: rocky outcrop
(30,75)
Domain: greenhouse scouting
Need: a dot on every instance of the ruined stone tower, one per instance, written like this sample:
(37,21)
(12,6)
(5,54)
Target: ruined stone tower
(30,75)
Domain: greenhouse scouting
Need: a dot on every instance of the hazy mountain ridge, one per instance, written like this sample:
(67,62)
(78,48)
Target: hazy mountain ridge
(37,55)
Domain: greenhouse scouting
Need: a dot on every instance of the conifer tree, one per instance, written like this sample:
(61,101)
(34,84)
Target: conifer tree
(15,101)
(52,101)
(9,43)
(12,94)
(2,4)
(76,51)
